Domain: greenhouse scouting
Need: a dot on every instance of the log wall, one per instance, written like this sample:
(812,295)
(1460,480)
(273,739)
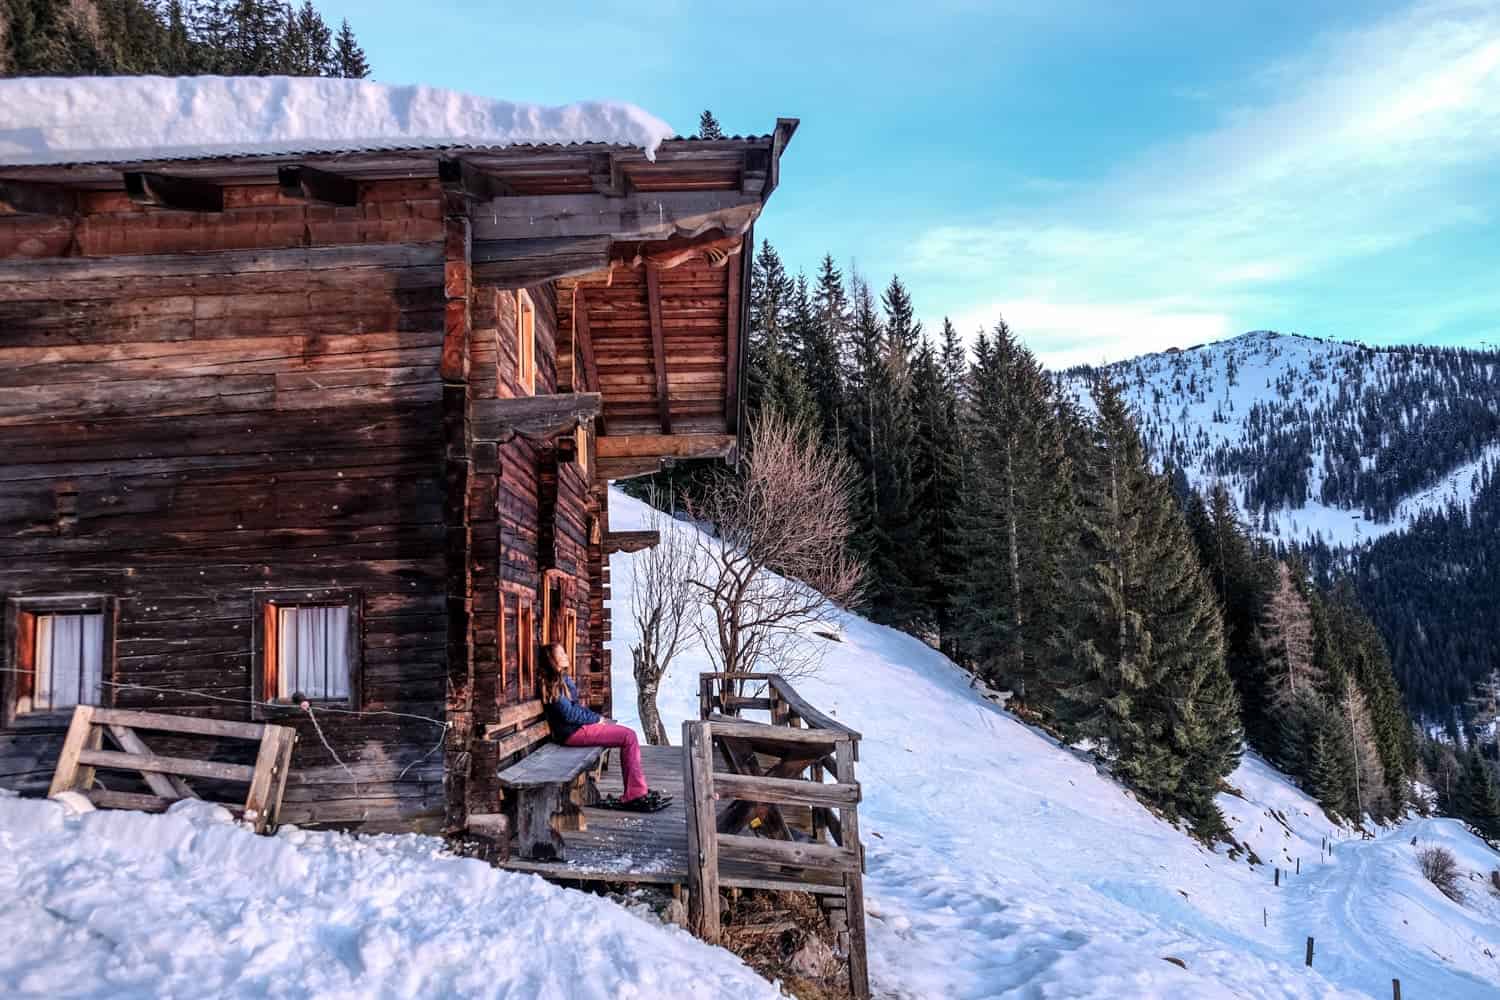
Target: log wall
(194,407)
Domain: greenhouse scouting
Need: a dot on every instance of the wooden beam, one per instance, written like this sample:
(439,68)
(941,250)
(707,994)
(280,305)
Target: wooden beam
(585,339)
(462,177)
(665,446)
(625,468)
(312,184)
(538,416)
(658,348)
(181,193)
(527,262)
(630,541)
(785,127)
(732,365)
(607,173)
(26,198)
(637,216)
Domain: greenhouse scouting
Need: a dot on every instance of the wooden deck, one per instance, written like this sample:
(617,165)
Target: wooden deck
(652,847)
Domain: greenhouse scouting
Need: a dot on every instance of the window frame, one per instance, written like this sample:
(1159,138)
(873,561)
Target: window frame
(15,608)
(526,647)
(525,346)
(264,611)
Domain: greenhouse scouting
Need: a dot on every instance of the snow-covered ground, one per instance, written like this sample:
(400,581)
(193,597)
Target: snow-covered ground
(123,118)
(127,905)
(1000,863)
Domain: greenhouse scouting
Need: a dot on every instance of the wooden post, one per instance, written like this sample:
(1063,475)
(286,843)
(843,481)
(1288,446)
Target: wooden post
(705,697)
(703,841)
(1395,989)
(1299,866)
(854,883)
(1265,921)
(1309,952)
(69,775)
(1278,877)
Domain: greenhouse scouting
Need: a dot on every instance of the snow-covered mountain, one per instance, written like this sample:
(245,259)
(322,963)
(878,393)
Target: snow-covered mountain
(1317,439)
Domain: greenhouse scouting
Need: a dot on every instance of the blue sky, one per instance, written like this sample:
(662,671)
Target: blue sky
(1112,177)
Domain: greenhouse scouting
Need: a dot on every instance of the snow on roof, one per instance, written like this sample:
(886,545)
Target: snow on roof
(53,120)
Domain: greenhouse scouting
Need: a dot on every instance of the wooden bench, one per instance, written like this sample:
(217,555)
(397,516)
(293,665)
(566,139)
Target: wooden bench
(548,787)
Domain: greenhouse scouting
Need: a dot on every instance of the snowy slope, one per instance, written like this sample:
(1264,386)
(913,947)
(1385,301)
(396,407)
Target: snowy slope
(126,905)
(120,119)
(1197,402)
(1000,863)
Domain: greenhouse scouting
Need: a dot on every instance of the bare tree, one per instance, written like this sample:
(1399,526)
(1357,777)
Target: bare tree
(778,563)
(661,602)
(1288,638)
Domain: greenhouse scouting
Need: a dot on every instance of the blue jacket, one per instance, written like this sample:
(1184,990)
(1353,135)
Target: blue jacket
(566,716)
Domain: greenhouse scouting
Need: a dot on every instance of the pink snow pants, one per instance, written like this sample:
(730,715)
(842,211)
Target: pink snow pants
(609,734)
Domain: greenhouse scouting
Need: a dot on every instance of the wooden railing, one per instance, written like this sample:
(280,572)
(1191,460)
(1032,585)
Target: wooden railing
(735,814)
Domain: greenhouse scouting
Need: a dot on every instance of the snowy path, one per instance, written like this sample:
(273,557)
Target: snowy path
(1000,864)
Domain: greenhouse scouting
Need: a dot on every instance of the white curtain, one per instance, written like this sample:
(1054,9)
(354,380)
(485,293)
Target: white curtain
(69,661)
(312,652)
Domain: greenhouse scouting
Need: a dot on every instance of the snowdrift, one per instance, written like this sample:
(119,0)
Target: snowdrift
(125,118)
(1002,863)
(123,904)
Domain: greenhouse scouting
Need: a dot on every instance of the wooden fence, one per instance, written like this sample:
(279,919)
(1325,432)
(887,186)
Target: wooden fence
(83,753)
(768,766)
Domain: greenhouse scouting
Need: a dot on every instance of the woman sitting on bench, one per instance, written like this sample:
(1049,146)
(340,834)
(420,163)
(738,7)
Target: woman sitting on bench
(575,725)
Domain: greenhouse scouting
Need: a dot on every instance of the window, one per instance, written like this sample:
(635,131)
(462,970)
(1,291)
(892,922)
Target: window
(308,647)
(526,647)
(525,342)
(61,651)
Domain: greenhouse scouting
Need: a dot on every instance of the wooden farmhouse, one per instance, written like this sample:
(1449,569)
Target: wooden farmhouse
(338,428)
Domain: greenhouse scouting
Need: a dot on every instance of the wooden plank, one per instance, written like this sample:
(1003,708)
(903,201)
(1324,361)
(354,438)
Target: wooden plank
(854,891)
(106,799)
(165,785)
(637,216)
(312,184)
(585,337)
(732,345)
(805,711)
(179,723)
(553,764)
(630,541)
(540,416)
(283,772)
(263,780)
(463,177)
(68,774)
(759,850)
(167,765)
(522,263)
(658,348)
(512,715)
(763,735)
(785,791)
(165,191)
(703,838)
(516,742)
(664,446)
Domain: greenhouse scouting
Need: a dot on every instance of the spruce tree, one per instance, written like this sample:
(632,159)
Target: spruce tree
(348,58)
(307,46)
(1152,685)
(708,126)
(822,344)
(774,379)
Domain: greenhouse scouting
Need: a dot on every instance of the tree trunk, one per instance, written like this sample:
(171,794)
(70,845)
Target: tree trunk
(647,680)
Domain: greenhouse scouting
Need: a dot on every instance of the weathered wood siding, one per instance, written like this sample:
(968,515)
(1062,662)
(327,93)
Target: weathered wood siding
(193,407)
(529,512)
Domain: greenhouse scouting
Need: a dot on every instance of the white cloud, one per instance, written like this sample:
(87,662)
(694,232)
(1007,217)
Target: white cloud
(1063,334)
(1364,143)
